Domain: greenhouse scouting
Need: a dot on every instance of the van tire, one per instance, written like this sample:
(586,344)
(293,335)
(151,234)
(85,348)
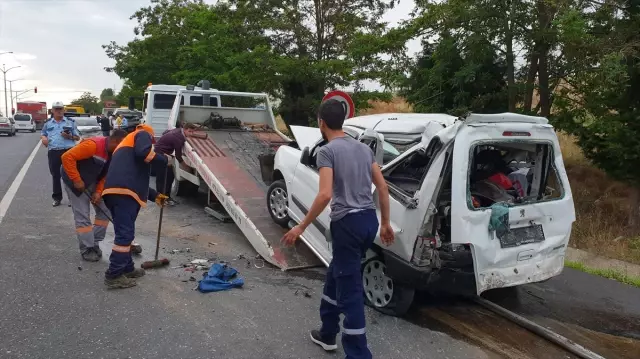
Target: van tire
(276,202)
(401,297)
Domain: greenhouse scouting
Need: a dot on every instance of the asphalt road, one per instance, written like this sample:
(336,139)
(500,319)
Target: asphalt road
(54,305)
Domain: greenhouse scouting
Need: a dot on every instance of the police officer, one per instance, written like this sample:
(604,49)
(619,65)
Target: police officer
(347,169)
(58,135)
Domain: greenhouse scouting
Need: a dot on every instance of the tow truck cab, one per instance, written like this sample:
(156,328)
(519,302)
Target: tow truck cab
(158,102)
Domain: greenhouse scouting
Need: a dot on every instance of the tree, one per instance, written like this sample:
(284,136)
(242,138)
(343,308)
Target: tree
(455,77)
(107,94)
(88,102)
(295,50)
(600,103)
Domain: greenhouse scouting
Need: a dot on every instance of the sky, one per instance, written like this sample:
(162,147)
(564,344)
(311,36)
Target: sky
(58,45)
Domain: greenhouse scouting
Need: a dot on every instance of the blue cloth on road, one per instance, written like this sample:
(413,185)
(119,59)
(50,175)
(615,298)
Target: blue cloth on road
(53,129)
(220,277)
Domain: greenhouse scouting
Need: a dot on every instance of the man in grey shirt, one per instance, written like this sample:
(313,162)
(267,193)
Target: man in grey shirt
(347,169)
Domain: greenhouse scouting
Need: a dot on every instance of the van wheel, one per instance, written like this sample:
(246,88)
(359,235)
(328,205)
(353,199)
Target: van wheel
(278,203)
(183,188)
(382,292)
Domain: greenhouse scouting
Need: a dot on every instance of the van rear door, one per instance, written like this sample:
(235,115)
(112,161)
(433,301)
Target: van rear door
(526,156)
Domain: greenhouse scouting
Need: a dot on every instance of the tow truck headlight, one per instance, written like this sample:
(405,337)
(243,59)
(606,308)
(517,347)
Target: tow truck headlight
(423,250)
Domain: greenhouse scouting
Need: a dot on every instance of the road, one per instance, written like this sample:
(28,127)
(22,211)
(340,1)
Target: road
(54,305)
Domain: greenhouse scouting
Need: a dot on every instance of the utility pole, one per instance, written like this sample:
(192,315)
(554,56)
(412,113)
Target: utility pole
(4,73)
(5,84)
(11,91)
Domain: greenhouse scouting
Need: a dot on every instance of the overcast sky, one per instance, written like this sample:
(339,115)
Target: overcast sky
(57,44)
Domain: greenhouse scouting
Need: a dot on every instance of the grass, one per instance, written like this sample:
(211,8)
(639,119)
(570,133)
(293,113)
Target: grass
(607,273)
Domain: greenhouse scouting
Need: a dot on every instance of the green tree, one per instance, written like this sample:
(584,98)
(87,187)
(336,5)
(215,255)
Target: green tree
(318,46)
(107,94)
(455,78)
(88,102)
(600,103)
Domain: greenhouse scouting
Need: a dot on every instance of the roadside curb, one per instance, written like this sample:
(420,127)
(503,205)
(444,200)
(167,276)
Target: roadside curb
(605,267)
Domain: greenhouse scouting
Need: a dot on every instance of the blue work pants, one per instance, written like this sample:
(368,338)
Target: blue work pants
(343,293)
(124,210)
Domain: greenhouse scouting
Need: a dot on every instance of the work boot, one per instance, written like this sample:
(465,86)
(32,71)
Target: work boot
(90,255)
(326,343)
(97,249)
(120,282)
(171,202)
(136,248)
(135,273)
(56,202)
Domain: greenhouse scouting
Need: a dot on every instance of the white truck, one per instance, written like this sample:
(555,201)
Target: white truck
(230,162)
(477,203)
(158,102)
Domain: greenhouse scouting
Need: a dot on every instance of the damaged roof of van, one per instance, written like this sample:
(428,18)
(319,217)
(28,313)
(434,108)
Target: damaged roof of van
(405,123)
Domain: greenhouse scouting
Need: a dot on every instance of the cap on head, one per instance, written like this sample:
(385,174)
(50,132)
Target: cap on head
(57,104)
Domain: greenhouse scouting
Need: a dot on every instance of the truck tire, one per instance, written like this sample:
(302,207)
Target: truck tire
(277,203)
(382,293)
(183,188)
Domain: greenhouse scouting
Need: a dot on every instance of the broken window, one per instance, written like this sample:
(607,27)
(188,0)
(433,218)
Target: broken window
(512,173)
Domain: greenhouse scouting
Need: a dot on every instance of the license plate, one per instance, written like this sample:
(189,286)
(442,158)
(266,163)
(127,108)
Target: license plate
(524,235)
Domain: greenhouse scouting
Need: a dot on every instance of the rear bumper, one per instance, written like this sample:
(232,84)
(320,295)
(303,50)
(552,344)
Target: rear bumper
(524,272)
(6,130)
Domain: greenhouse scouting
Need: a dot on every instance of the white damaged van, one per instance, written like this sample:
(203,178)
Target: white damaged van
(477,203)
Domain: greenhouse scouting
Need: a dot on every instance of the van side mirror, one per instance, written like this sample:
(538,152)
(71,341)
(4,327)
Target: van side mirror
(305,158)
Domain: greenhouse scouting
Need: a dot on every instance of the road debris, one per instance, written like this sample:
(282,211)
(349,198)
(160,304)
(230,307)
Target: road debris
(200,261)
(79,268)
(220,277)
(212,243)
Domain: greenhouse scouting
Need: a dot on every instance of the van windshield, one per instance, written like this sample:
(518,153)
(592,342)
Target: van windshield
(513,173)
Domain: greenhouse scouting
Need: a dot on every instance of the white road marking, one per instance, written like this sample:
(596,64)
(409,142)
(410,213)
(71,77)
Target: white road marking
(11,192)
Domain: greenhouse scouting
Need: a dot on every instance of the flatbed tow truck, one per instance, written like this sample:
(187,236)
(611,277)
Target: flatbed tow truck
(228,154)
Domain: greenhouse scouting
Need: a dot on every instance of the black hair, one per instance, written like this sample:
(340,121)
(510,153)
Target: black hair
(332,112)
(118,134)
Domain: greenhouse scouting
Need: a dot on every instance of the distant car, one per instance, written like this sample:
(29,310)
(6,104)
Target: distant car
(88,127)
(133,118)
(7,126)
(24,122)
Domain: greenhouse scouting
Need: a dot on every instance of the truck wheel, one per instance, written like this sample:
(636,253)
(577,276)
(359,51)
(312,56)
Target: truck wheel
(183,188)
(278,204)
(383,293)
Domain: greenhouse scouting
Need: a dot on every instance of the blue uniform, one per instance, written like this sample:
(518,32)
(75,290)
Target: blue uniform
(57,146)
(52,129)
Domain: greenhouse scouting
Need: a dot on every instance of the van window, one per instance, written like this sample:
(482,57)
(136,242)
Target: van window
(513,173)
(22,117)
(408,174)
(164,101)
(144,102)
(198,101)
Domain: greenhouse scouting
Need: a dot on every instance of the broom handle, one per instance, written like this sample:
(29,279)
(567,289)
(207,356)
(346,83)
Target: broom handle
(164,184)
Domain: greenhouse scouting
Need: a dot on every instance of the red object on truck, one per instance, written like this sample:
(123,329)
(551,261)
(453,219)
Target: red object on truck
(37,109)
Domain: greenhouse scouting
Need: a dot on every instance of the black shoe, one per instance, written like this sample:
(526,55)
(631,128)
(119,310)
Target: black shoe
(56,202)
(90,255)
(97,249)
(171,202)
(326,344)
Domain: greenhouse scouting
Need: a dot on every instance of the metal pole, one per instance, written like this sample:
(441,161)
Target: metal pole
(11,93)
(4,73)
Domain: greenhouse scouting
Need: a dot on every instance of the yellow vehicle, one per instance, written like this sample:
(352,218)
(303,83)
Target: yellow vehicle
(74,109)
